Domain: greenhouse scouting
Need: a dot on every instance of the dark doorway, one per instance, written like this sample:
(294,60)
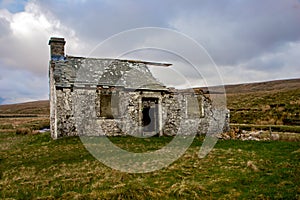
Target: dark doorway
(150,114)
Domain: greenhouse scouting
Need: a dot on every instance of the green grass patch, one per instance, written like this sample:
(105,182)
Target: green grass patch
(139,145)
(35,166)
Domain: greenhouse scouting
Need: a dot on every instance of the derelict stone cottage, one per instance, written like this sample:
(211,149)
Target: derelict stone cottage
(98,96)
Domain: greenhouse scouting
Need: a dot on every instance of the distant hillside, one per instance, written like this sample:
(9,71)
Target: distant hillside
(29,108)
(270,86)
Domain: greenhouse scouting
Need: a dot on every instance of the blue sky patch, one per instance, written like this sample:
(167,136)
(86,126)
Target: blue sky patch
(13,6)
(1,100)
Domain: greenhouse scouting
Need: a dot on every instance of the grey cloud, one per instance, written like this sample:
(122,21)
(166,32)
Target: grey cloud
(232,31)
(241,30)
(20,86)
(287,56)
(97,20)
(4,27)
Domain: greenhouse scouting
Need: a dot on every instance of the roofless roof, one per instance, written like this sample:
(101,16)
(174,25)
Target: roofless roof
(92,72)
(126,60)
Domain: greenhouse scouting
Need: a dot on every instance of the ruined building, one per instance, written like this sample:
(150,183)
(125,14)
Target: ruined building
(97,96)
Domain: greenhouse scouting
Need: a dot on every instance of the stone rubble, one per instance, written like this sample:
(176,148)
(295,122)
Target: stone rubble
(238,134)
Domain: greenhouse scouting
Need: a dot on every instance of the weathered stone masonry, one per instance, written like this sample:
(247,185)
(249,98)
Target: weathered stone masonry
(93,96)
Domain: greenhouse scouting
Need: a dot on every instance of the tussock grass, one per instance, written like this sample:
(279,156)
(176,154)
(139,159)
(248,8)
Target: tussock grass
(37,167)
(33,123)
(23,131)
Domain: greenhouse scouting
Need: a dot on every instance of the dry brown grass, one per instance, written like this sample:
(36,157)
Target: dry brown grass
(23,131)
(33,123)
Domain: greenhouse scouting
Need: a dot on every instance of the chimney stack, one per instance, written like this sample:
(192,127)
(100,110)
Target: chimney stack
(57,48)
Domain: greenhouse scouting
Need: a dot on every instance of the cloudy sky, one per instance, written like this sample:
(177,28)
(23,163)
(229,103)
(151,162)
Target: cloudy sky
(248,40)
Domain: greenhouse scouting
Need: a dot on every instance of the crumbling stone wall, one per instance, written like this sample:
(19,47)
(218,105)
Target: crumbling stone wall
(75,115)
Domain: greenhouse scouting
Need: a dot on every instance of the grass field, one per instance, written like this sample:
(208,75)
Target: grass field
(35,166)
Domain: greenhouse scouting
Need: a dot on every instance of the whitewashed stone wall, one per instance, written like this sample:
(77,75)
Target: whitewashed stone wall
(76,114)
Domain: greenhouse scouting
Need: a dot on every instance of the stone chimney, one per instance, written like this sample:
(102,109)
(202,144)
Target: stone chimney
(57,48)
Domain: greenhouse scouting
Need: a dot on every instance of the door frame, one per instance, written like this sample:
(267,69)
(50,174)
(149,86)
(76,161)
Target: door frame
(158,97)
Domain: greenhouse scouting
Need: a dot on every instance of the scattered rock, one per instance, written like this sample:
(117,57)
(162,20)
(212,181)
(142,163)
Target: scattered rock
(44,130)
(275,136)
(252,166)
(236,133)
